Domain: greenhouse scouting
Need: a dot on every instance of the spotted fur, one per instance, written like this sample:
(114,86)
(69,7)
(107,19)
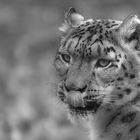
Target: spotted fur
(99,65)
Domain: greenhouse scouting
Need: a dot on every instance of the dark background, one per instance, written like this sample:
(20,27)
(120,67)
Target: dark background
(29,37)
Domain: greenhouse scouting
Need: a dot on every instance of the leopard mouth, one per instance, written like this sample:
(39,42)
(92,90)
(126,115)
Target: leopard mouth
(90,107)
(77,104)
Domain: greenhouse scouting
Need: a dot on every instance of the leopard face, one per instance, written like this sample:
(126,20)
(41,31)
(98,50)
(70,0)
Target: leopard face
(98,63)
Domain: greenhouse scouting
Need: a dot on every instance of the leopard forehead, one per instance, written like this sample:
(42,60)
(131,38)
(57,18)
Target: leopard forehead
(98,27)
(90,34)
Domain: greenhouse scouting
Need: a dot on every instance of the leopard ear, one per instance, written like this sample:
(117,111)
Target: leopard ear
(129,30)
(72,20)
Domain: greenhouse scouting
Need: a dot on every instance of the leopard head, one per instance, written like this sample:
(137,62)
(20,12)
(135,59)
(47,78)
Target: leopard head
(98,62)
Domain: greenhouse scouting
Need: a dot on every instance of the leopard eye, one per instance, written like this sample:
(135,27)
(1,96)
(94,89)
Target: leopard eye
(66,58)
(103,62)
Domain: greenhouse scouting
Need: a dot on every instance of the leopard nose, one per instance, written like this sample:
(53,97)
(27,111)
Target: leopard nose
(75,88)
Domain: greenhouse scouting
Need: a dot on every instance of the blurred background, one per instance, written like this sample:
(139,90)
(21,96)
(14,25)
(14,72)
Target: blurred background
(29,38)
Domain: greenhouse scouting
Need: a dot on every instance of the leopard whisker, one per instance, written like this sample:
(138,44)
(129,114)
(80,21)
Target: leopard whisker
(59,102)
